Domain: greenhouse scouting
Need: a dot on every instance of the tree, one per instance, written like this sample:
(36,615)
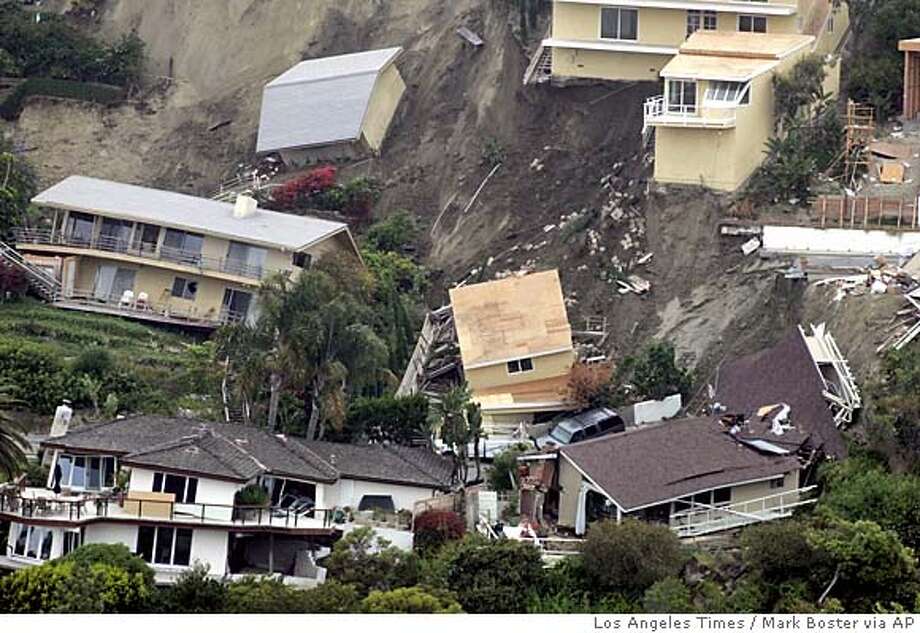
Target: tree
(777,551)
(12,442)
(396,233)
(492,576)
(255,594)
(409,600)
(896,404)
(668,595)
(331,597)
(393,419)
(630,556)
(433,528)
(368,562)
(504,467)
(461,426)
(194,592)
(116,555)
(18,185)
(590,386)
(654,374)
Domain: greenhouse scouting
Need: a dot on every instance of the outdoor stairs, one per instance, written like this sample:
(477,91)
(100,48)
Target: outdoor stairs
(45,285)
(233,408)
(540,69)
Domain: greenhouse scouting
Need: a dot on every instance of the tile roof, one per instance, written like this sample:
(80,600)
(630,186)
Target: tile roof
(237,451)
(178,210)
(320,101)
(658,463)
(785,373)
(517,317)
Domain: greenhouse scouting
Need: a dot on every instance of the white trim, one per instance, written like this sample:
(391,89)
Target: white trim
(592,482)
(719,77)
(696,492)
(600,24)
(543,405)
(508,359)
(612,46)
(724,7)
(521,370)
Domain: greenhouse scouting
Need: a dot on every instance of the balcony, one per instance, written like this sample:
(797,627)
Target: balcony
(140,249)
(702,520)
(37,505)
(660,113)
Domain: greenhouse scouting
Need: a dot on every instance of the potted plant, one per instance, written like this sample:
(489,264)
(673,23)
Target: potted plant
(249,501)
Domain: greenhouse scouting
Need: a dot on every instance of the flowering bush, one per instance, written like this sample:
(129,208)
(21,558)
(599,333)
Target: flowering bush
(433,528)
(295,192)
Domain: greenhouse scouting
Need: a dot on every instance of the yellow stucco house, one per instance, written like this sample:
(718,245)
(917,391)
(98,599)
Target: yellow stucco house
(516,346)
(331,108)
(717,111)
(633,40)
(166,257)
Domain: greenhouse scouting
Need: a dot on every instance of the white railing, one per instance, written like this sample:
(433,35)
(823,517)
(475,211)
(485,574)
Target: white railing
(704,519)
(136,306)
(658,112)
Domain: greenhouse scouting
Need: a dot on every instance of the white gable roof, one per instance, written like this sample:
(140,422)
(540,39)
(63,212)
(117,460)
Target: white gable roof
(320,101)
(177,210)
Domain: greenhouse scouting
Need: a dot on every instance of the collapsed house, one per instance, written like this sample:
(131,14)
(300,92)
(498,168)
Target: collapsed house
(331,108)
(178,491)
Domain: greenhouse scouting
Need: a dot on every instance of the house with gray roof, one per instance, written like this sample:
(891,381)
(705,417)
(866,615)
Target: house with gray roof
(166,257)
(331,107)
(238,498)
(696,475)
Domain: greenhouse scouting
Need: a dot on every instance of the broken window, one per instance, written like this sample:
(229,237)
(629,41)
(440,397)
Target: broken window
(184,288)
(728,93)
(520,365)
(701,21)
(752,23)
(619,23)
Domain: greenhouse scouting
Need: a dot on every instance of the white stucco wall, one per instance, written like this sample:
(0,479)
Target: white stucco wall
(111,533)
(348,492)
(796,239)
(210,491)
(208,546)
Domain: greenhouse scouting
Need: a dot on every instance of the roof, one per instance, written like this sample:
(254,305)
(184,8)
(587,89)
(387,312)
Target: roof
(177,210)
(517,317)
(239,452)
(659,463)
(728,56)
(785,373)
(320,101)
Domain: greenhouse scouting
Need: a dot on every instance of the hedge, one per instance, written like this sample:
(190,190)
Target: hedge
(105,94)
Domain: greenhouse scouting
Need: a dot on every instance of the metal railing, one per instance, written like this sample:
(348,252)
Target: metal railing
(139,248)
(121,506)
(702,519)
(658,111)
(143,307)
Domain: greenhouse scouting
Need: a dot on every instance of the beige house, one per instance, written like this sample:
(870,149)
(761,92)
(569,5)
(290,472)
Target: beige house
(331,108)
(166,257)
(698,476)
(633,40)
(717,111)
(516,347)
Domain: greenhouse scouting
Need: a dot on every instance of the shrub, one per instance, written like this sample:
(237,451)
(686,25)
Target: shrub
(655,373)
(492,576)
(504,467)
(13,282)
(778,551)
(630,556)
(590,386)
(252,495)
(394,234)
(409,600)
(669,595)
(331,597)
(94,361)
(194,592)
(116,555)
(263,595)
(36,375)
(104,94)
(298,192)
(434,528)
(371,563)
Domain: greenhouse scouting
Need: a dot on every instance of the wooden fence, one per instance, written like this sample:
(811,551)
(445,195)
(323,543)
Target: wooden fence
(865,212)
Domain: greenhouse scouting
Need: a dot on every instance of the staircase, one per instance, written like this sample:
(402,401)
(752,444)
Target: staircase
(234,412)
(540,69)
(45,285)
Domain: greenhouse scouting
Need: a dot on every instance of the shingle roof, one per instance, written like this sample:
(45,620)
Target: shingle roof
(785,373)
(320,101)
(671,460)
(511,318)
(237,451)
(177,210)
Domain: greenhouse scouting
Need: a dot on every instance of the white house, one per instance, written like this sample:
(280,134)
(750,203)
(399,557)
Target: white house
(181,505)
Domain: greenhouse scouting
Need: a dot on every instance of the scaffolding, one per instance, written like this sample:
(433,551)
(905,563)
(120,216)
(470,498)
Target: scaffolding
(860,128)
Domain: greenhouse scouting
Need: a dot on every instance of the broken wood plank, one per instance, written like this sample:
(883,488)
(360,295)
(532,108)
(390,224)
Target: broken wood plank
(890,150)
(470,37)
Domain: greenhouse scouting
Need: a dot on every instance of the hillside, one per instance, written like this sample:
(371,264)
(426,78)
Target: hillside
(571,191)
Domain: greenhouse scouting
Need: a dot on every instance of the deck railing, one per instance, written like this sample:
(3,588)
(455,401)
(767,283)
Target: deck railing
(658,112)
(141,307)
(702,519)
(139,248)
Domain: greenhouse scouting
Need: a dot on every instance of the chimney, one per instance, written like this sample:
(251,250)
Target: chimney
(62,416)
(245,207)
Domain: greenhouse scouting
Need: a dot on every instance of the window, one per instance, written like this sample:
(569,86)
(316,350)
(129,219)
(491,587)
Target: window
(185,489)
(115,235)
(830,21)
(88,472)
(34,542)
(701,20)
(146,237)
(721,495)
(681,96)
(590,431)
(778,482)
(164,545)
(728,93)
(184,288)
(245,259)
(302,260)
(80,228)
(752,23)
(235,306)
(619,24)
(71,542)
(179,246)
(521,365)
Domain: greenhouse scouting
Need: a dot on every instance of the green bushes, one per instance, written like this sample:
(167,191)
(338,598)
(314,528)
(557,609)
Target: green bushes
(38,378)
(409,600)
(369,563)
(104,94)
(433,528)
(386,419)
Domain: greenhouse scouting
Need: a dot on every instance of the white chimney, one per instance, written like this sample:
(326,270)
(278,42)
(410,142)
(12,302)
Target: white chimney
(62,417)
(245,206)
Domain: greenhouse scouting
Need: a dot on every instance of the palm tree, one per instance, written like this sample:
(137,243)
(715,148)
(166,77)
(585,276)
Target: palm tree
(12,443)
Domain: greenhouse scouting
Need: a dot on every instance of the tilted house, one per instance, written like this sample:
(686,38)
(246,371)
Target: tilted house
(717,112)
(633,40)
(331,107)
(180,505)
(516,348)
(168,257)
(698,475)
